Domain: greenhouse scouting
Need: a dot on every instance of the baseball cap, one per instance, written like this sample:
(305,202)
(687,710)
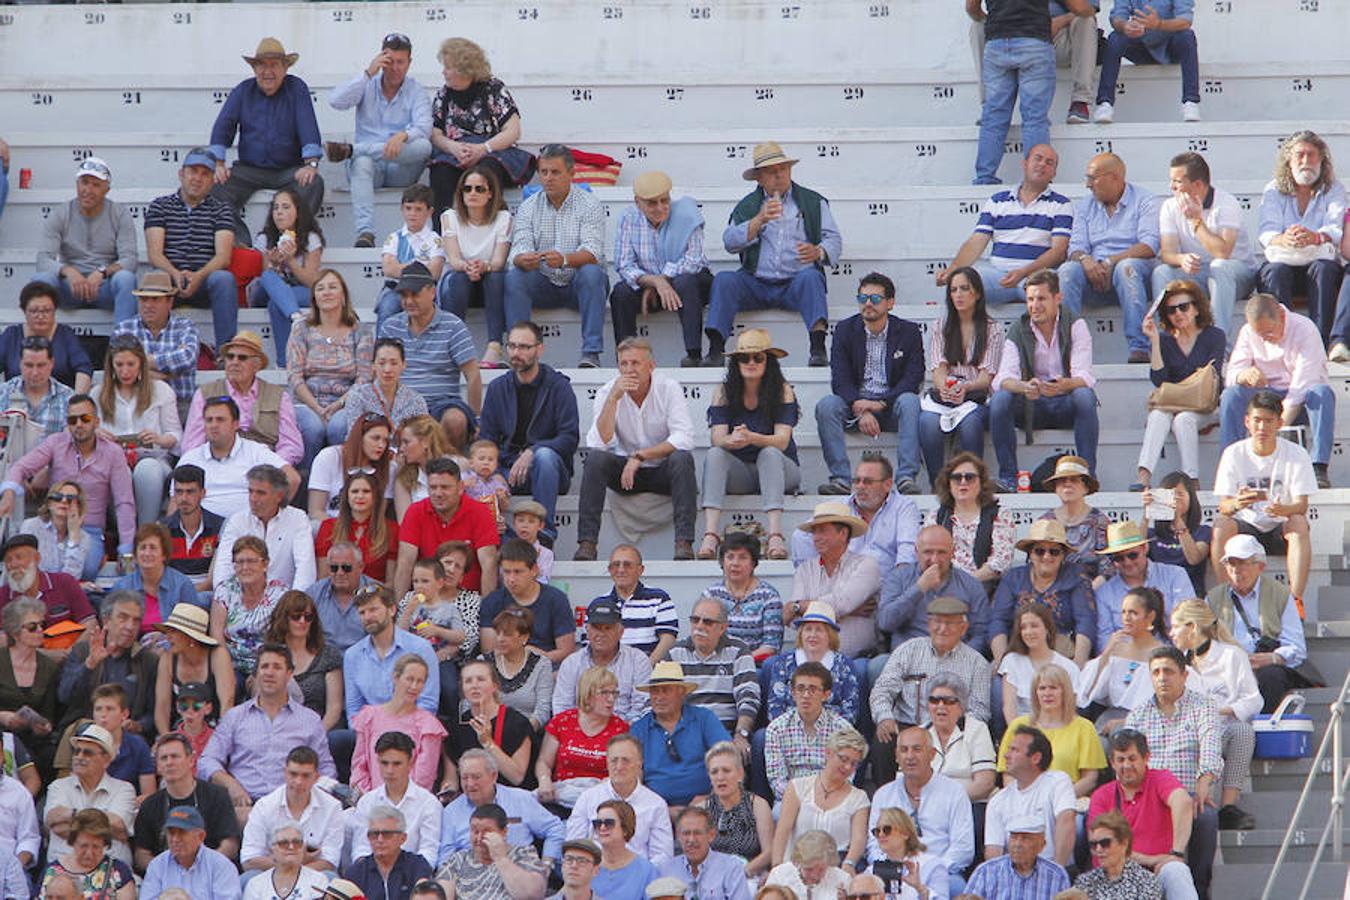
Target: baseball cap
(188,818)
(19,540)
(92,165)
(195,690)
(604,611)
(415,277)
(1243,546)
(199,156)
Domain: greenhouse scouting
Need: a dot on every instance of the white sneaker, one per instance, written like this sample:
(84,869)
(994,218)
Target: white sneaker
(1105,114)
(1190,111)
(1339,353)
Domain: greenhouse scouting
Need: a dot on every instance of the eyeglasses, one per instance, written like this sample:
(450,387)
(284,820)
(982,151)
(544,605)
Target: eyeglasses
(599,824)
(36,310)
(289,843)
(571,859)
(864,299)
(238,357)
(475,189)
(1101,843)
(704,620)
(80,419)
(514,345)
(84,751)
(63,498)
(31,627)
(194,705)
(1178,307)
(302,615)
(943,700)
(882,830)
(396,41)
(1048,551)
(1131,554)
(376,834)
(340,567)
(755,358)
(963,476)
(622,564)
(810,690)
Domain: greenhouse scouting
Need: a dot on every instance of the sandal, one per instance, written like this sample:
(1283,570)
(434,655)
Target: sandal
(492,356)
(712,542)
(777,546)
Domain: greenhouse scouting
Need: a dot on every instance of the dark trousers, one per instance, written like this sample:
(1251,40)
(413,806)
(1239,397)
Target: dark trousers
(245,181)
(625,303)
(1276,681)
(673,476)
(1320,281)
(1201,849)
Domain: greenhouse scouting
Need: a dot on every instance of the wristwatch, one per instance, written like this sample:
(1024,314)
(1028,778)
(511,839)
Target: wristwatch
(312,163)
(744,732)
(1179,854)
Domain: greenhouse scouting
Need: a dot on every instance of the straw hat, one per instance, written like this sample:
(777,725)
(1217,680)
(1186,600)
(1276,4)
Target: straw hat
(667,672)
(155,284)
(1045,531)
(1073,467)
(271,48)
(190,620)
(249,340)
(765,155)
(819,611)
(755,340)
(836,512)
(1122,536)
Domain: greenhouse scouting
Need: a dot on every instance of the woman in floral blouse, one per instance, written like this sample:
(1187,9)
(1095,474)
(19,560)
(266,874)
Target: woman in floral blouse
(982,534)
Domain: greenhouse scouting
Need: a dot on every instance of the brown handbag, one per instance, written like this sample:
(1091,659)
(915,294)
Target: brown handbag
(1197,393)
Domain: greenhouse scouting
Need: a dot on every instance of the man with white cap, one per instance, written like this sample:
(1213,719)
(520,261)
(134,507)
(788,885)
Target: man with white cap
(848,581)
(1022,872)
(88,786)
(94,263)
(202,872)
(785,235)
(675,735)
(658,255)
(1127,546)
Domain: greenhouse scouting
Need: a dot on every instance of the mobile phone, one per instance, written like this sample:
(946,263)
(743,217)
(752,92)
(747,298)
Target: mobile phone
(466,716)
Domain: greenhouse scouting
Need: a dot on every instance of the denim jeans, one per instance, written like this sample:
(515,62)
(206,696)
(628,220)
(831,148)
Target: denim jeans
(1319,412)
(387,303)
(996,294)
(739,291)
(283,300)
(1320,281)
(1181,48)
(317,434)
(1077,410)
(1129,288)
(114,293)
(94,560)
(834,417)
(969,436)
(1226,279)
(455,291)
(586,293)
(548,478)
(367,169)
(1014,68)
(220,293)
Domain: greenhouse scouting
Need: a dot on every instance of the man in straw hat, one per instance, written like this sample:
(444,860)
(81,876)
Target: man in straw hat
(279,144)
(266,411)
(171,342)
(658,255)
(1127,546)
(848,581)
(675,735)
(1047,579)
(785,235)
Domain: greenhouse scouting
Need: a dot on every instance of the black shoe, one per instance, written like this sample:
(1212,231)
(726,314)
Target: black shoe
(1231,818)
(691,361)
(908,486)
(834,488)
(365,239)
(1323,478)
(1138,356)
(818,359)
(589,361)
(715,359)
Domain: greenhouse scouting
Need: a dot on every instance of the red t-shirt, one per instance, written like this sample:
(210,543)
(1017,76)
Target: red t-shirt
(472,522)
(1149,815)
(374,566)
(580,755)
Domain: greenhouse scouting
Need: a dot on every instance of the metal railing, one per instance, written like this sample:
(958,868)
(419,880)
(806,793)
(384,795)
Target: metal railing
(1335,824)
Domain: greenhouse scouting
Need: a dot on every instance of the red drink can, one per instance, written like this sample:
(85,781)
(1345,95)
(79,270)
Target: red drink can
(25,179)
(1023,481)
(951,382)
(132,457)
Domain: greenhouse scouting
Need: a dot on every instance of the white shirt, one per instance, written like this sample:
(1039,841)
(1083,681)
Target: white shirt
(476,241)
(161,416)
(19,824)
(1048,796)
(1018,670)
(663,416)
(1285,475)
(112,795)
(1229,680)
(321,823)
(420,808)
(310,881)
(944,817)
(325,474)
(833,884)
(226,479)
(653,838)
(290,546)
(1224,212)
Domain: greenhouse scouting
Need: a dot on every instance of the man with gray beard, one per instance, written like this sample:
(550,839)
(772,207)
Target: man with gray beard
(59,592)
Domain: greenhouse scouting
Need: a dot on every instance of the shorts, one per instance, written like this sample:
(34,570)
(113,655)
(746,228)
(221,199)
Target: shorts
(437,406)
(1272,541)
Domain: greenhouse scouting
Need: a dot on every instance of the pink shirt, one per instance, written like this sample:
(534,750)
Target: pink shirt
(423,727)
(104,476)
(1295,364)
(1045,361)
(1149,815)
(289,445)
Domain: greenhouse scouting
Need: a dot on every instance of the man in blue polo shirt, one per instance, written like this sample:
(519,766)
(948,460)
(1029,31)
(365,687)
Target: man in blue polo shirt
(438,349)
(1028,226)
(674,737)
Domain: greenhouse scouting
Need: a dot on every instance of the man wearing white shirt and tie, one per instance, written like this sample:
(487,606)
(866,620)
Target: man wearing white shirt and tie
(641,441)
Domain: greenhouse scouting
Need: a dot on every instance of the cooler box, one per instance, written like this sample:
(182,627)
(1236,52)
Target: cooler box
(1286,733)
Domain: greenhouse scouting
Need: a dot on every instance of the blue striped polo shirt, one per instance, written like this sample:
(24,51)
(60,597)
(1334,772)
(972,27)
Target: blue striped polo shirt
(444,340)
(1022,233)
(189,232)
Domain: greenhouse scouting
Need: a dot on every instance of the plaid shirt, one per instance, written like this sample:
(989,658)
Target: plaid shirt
(174,351)
(1188,742)
(49,414)
(579,224)
(636,252)
(905,681)
(789,752)
(997,878)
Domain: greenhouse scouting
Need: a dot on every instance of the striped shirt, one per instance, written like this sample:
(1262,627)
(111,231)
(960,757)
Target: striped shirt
(445,338)
(728,682)
(647,615)
(789,752)
(174,350)
(189,232)
(1022,233)
(579,224)
(755,619)
(998,878)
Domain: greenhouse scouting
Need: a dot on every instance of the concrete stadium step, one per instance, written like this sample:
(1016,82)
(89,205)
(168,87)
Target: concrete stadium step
(1244,880)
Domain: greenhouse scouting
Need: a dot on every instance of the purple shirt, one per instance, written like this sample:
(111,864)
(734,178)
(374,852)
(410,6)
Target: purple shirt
(1046,360)
(103,472)
(252,747)
(289,445)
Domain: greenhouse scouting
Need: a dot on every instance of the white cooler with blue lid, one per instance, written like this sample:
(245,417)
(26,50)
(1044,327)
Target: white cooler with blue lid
(1285,733)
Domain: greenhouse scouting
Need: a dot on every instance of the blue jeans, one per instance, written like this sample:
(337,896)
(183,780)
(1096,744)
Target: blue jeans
(969,436)
(1226,280)
(387,303)
(221,294)
(455,290)
(1129,288)
(1014,68)
(283,300)
(1181,48)
(114,293)
(548,478)
(586,293)
(996,294)
(738,291)
(834,417)
(367,169)
(1077,410)
(1319,412)
(94,561)
(317,434)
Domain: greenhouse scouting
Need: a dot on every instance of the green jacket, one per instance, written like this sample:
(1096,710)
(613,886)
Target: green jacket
(807,201)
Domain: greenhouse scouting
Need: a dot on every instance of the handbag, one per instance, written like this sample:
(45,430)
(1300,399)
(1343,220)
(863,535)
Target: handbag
(1197,392)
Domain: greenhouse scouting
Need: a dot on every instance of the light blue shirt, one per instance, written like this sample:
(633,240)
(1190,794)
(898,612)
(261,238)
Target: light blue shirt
(370,680)
(721,877)
(1156,40)
(1325,212)
(533,822)
(1293,647)
(1171,580)
(212,876)
(944,819)
(341,628)
(1100,235)
(779,238)
(889,536)
(378,119)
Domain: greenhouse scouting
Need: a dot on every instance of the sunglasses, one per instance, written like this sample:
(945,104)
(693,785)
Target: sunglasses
(877,299)
(360,470)
(374,417)
(36,343)
(943,700)
(1048,551)
(882,830)
(31,627)
(302,615)
(475,189)
(756,358)
(395,40)
(964,476)
(672,751)
(340,567)
(194,705)
(238,357)
(80,419)
(704,620)
(377,834)
(598,824)
(1178,307)
(63,498)
(1101,843)
(1130,554)
(289,843)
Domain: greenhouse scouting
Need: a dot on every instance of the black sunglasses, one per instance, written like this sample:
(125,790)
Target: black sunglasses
(396,41)
(1178,307)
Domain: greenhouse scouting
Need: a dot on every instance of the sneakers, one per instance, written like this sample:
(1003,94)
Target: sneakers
(1231,818)
(589,361)
(834,488)
(365,239)
(1105,114)
(1339,352)
(337,151)
(1079,114)
(1190,111)
(1323,478)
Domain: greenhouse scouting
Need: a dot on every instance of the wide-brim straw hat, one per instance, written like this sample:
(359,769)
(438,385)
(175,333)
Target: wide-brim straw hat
(832,511)
(755,340)
(190,620)
(765,155)
(271,48)
(156,284)
(1045,531)
(667,672)
(1122,536)
(1073,467)
(819,611)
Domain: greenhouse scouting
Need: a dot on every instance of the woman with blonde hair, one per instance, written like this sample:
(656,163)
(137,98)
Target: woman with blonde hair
(813,869)
(59,528)
(1077,751)
(402,714)
(572,757)
(420,440)
(1231,684)
(828,802)
(744,819)
(904,864)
